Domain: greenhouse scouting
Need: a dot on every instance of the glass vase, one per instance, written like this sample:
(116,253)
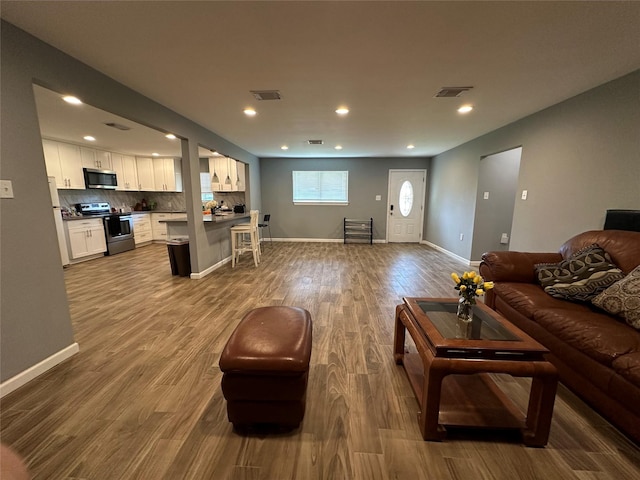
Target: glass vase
(464,318)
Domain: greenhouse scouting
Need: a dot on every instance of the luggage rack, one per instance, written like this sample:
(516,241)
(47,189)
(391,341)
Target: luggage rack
(358,230)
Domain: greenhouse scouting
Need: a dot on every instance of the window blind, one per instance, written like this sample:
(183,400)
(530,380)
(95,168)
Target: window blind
(323,187)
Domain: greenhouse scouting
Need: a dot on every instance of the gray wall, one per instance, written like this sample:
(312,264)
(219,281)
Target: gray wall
(368,177)
(498,176)
(35,321)
(579,158)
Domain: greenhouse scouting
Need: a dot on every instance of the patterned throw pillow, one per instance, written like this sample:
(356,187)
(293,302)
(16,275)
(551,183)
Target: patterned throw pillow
(580,277)
(623,298)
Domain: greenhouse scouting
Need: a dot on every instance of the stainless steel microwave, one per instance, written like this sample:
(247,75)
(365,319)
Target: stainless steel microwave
(105,179)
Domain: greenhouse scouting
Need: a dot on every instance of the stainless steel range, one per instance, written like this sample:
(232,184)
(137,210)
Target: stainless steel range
(118,227)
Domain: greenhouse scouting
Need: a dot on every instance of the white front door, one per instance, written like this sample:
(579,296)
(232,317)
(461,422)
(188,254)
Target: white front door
(405,210)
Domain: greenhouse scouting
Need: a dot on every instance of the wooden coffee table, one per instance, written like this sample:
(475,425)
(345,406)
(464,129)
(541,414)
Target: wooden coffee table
(450,376)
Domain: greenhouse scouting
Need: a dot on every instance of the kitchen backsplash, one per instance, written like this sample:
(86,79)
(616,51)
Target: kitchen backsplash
(165,201)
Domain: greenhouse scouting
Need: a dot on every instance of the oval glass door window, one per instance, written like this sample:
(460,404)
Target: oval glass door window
(406,198)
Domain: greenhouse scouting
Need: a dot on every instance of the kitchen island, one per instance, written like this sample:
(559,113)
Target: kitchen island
(217,230)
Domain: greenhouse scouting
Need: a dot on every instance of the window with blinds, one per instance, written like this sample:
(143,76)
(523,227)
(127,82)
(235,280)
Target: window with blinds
(320,187)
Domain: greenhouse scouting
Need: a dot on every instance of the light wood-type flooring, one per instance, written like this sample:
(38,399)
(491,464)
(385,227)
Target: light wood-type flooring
(142,398)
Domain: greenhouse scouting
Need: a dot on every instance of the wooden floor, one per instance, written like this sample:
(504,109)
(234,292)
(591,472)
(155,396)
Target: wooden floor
(142,399)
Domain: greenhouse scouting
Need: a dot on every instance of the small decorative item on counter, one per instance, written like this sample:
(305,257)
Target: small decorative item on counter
(211,206)
(470,286)
(143,203)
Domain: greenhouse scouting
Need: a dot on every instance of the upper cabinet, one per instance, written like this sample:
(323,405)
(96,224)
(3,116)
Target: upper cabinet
(64,162)
(167,174)
(92,158)
(144,167)
(230,175)
(126,171)
(240,183)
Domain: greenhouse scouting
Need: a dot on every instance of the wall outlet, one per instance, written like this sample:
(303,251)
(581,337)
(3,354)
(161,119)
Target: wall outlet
(504,239)
(524,194)
(6,189)
(461,236)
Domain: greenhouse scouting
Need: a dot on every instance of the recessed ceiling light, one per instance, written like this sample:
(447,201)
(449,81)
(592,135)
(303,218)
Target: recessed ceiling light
(250,112)
(338,147)
(72,100)
(155,154)
(170,136)
(284,147)
(89,138)
(465,109)
(342,111)
(411,146)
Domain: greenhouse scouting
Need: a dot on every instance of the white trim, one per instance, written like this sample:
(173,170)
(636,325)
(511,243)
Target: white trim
(447,252)
(316,240)
(32,372)
(207,271)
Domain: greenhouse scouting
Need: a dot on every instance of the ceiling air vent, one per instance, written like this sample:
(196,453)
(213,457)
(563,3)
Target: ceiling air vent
(117,125)
(315,142)
(266,94)
(447,92)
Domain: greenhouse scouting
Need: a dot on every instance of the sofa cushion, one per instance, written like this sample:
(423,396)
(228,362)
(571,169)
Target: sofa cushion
(628,366)
(623,299)
(622,246)
(526,298)
(580,277)
(597,335)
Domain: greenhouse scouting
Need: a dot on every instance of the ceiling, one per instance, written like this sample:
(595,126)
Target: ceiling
(384,60)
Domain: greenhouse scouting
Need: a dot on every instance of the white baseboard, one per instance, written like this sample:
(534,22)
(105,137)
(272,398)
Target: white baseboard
(30,373)
(318,240)
(447,252)
(207,271)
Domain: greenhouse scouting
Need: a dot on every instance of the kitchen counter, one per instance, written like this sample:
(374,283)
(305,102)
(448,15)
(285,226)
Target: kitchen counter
(134,212)
(211,218)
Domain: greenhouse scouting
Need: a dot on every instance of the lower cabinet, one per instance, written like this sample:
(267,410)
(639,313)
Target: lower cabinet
(142,232)
(86,237)
(158,227)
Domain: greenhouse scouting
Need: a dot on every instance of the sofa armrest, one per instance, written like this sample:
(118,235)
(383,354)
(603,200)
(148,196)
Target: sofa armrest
(514,266)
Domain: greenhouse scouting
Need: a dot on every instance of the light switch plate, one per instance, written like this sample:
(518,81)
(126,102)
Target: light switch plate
(378,197)
(524,194)
(6,189)
(486,195)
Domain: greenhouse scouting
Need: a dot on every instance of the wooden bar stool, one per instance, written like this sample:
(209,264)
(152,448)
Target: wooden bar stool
(244,238)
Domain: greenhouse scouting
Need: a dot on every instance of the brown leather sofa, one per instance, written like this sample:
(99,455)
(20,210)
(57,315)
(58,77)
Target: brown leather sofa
(597,355)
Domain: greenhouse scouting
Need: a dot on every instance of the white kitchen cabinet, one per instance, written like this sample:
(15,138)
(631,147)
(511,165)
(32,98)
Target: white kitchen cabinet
(142,232)
(224,168)
(241,177)
(86,237)
(92,158)
(167,174)
(144,167)
(159,228)
(214,170)
(126,171)
(64,162)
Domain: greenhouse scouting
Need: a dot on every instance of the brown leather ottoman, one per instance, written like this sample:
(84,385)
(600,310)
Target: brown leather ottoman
(266,367)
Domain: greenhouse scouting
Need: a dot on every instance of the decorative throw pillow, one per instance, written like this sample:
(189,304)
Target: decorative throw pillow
(623,298)
(580,277)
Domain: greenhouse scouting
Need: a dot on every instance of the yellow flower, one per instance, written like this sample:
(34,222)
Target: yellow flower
(472,274)
(479,291)
(463,288)
(488,285)
(465,275)
(477,279)
(455,277)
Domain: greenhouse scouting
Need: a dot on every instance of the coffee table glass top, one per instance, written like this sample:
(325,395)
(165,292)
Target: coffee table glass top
(484,326)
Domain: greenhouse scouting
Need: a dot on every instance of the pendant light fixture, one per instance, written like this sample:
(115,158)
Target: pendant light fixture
(215,178)
(227,180)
